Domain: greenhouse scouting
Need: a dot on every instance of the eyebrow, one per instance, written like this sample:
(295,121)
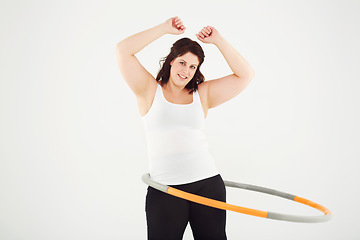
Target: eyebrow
(186,62)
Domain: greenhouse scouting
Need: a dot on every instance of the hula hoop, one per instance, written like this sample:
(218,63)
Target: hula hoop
(258,213)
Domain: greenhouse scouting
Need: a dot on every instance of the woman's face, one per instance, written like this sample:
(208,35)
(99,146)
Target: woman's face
(183,69)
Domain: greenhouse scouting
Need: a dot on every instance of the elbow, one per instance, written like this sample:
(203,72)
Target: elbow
(248,76)
(251,74)
(119,47)
(122,49)
(123,46)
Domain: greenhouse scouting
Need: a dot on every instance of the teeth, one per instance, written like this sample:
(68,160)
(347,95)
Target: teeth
(182,76)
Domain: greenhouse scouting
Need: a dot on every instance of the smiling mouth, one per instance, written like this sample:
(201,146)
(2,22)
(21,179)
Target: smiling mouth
(182,77)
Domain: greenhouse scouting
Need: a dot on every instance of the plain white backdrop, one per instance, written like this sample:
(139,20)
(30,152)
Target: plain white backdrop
(72,144)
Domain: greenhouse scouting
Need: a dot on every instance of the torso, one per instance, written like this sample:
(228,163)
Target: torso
(145,103)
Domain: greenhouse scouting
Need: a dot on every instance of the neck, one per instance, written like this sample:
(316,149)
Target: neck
(174,89)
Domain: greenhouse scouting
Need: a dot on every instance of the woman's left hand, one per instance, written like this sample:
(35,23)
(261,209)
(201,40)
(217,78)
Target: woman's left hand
(208,35)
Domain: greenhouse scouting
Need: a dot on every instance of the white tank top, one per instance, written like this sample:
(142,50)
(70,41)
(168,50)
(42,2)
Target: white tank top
(177,147)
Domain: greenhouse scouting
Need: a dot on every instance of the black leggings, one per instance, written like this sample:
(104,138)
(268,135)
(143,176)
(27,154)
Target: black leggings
(167,216)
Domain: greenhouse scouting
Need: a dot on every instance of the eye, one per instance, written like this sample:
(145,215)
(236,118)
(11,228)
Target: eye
(182,63)
(193,67)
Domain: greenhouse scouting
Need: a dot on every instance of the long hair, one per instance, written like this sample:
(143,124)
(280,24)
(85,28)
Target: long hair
(179,48)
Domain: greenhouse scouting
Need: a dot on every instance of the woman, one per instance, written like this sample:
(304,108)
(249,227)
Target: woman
(173,108)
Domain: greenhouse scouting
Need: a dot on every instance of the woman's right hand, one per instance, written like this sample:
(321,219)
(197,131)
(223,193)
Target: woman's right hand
(174,26)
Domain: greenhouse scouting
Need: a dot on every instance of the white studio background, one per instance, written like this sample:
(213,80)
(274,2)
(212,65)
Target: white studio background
(72,144)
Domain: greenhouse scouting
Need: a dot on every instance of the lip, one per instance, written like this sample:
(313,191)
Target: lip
(182,77)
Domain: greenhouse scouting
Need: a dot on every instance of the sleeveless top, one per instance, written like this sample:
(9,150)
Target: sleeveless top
(177,147)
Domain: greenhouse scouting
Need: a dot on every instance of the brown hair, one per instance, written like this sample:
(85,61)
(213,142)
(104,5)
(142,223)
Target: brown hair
(179,48)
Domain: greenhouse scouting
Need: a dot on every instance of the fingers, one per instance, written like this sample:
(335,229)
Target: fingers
(200,38)
(178,23)
(205,32)
(179,26)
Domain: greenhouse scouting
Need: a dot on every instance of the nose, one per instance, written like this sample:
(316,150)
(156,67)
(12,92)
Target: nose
(186,71)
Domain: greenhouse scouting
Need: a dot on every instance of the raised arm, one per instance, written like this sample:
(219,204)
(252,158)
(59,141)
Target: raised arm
(225,88)
(136,76)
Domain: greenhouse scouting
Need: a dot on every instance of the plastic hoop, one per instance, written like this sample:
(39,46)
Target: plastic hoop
(258,213)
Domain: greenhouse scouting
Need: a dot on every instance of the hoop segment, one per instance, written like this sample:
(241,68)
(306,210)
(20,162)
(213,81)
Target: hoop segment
(258,213)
